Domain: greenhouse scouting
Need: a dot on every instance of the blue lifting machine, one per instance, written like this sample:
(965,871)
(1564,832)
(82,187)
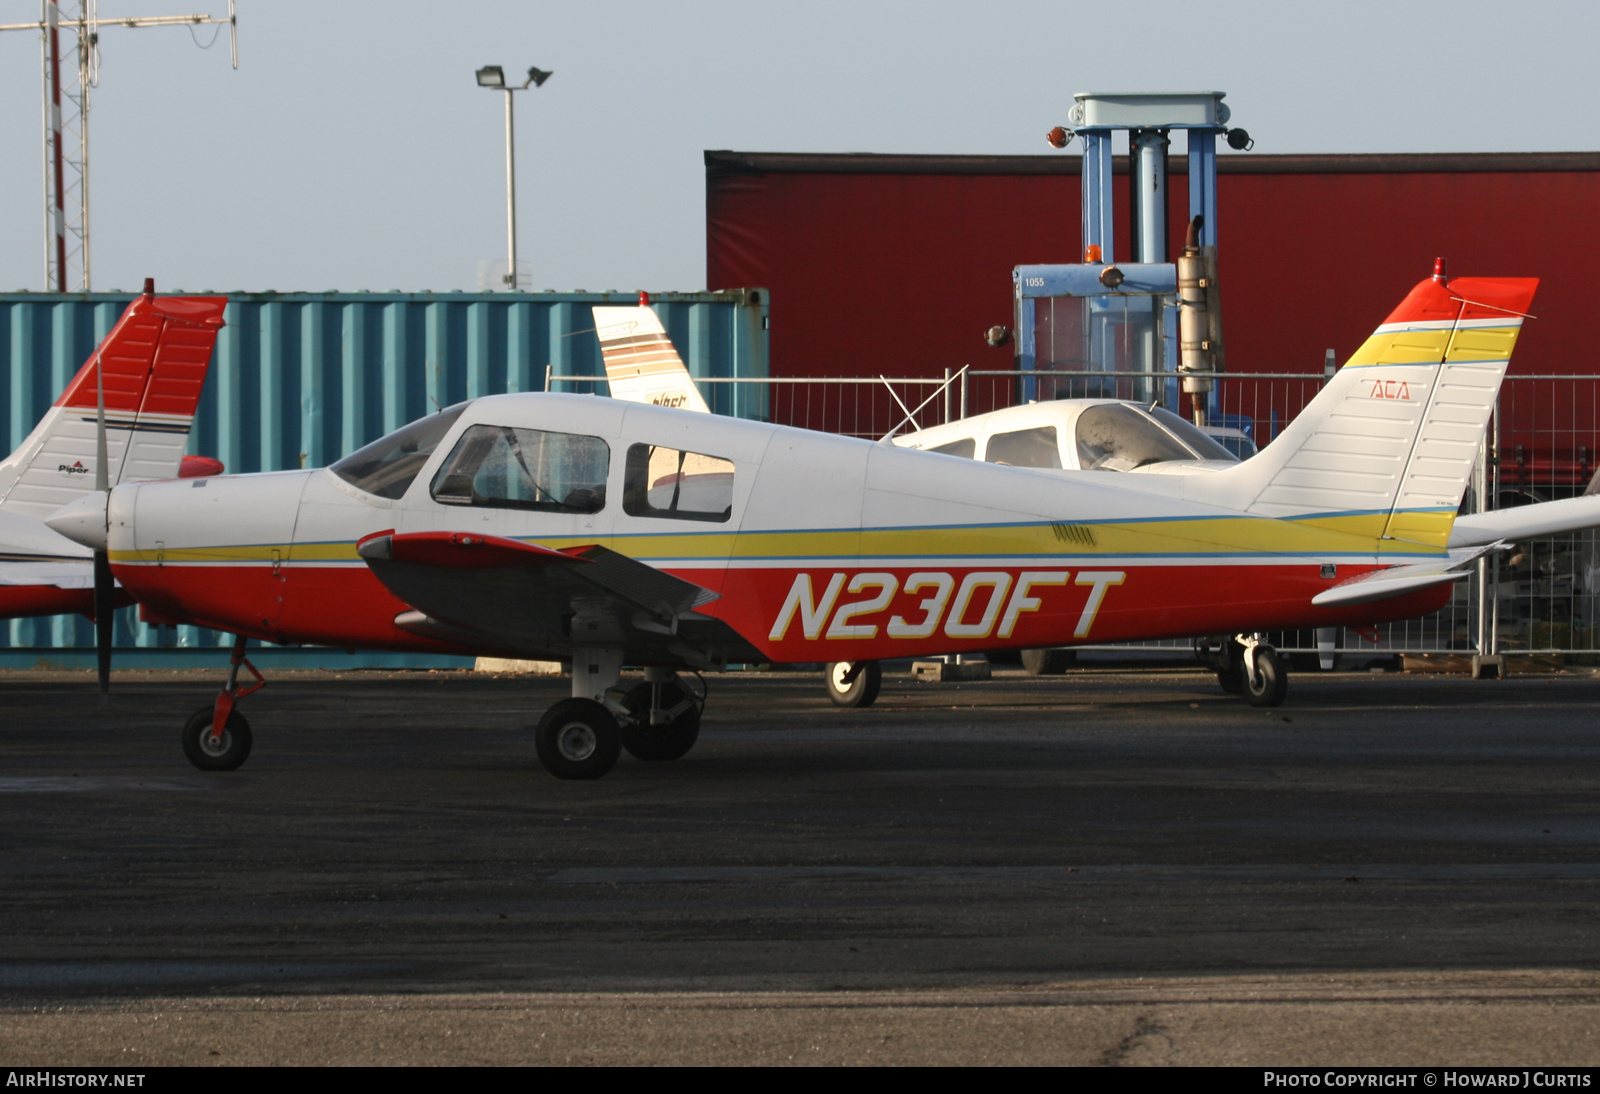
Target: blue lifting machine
(1103,328)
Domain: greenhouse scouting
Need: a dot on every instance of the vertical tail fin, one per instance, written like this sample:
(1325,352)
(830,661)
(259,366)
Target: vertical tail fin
(155,361)
(1387,447)
(641,364)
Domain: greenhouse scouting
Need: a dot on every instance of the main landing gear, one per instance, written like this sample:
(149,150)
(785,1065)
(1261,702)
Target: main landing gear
(583,737)
(217,737)
(853,683)
(1247,666)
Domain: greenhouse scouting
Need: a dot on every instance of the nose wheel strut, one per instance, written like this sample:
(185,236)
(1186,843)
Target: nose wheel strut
(217,737)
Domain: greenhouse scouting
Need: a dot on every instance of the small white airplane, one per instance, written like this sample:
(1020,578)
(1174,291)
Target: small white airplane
(607,533)
(1079,435)
(155,361)
(1067,436)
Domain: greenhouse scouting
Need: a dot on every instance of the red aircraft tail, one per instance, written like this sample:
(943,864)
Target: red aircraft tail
(155,362)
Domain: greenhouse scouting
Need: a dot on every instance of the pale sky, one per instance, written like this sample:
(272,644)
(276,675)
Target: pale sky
(353,150)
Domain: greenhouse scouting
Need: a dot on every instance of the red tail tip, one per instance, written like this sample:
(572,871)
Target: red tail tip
(644,299)
(1438,270)
(149,286)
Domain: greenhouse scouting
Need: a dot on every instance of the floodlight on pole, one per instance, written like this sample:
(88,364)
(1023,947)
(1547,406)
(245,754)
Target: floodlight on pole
(494,77)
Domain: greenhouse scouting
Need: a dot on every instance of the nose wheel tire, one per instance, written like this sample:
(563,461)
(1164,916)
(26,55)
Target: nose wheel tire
(857,690)
(578,739)
(208,755)
(670,741)
(1269,684)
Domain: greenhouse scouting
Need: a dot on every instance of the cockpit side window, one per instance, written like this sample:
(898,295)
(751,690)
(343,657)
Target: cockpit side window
(677,485)
(387,466)
(503,467)
(1035,447)
(1118,437)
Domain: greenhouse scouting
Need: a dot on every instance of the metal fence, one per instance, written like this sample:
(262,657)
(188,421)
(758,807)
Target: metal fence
(1541,597)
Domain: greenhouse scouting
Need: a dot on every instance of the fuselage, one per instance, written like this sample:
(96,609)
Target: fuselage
(828,548)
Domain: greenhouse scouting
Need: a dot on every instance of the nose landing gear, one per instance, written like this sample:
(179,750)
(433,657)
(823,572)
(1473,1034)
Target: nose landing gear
(217,737)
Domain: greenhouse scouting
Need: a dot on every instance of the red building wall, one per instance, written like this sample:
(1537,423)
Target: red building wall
(897,264)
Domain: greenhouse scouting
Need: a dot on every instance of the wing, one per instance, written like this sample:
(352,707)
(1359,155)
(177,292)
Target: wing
(523,598)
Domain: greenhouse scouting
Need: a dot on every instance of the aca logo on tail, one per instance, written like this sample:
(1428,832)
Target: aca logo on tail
(1390,389)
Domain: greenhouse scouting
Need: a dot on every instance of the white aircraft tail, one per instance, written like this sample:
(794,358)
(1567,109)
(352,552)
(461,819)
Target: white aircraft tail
(641,364)
(155,361)
(1387,447)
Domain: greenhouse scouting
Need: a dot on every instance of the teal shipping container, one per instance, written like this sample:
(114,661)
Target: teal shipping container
(300,379)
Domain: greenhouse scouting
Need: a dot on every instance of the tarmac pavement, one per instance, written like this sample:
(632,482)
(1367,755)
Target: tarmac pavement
(1112,866)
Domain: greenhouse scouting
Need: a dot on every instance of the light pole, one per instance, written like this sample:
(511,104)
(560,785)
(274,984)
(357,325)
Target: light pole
(493,76)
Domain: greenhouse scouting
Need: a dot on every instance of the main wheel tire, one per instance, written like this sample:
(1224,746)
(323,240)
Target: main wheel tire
(860,692)
(664,742)
(1267,686)
(1231,680)
(1047,662)
(578,739)
(227,754)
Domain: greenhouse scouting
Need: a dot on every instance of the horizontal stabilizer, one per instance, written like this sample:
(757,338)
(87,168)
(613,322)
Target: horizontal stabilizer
(1547,518)
(1382,586)
(1399,580)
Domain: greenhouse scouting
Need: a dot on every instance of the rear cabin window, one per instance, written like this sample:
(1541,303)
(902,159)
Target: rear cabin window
(503,467)
(387,466)
(677,485)
(1206,447)
(1036,447)
(1117,437)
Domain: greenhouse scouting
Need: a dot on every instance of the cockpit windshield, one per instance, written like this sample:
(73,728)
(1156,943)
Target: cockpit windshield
(387,466)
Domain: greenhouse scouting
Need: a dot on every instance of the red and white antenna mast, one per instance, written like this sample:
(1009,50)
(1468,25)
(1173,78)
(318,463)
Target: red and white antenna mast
(66,123)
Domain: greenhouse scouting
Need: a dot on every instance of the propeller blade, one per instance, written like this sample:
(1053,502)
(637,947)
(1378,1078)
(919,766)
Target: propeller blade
(104,616)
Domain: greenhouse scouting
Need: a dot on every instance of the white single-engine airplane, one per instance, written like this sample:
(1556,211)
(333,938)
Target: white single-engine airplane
(610,533)
(155,361)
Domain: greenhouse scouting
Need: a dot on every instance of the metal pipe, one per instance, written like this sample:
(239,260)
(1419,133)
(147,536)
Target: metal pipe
(1148,150)
(58,210)
(1194,326)
(88,74)
(511,197)
(1494,572)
